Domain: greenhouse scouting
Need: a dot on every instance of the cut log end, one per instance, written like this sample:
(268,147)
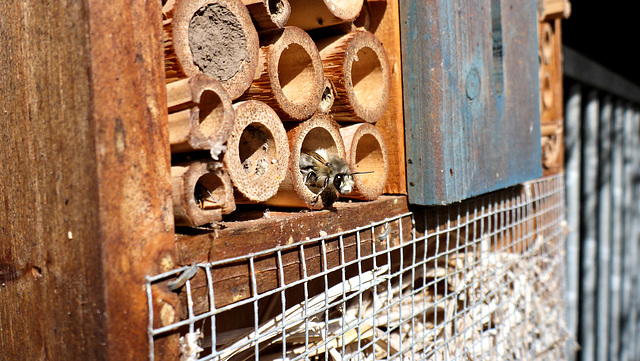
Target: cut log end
(212,37)
(357,64)
(291,81)
(366,154)
(202,192)
(314,14)
(319,132)
(210,114)
(257,151)
(269,14)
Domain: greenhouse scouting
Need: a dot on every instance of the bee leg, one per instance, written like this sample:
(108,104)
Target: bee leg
(324,186)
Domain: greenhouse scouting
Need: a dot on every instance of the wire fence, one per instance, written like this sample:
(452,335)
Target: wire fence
(479,280)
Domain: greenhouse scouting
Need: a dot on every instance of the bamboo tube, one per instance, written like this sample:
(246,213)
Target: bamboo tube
(546,43)
(268,14)
(546,89)
(328,97)
(214,37)
(201,115)
(257,153)
(553,149)
(366,152)
(357,65)
(202,192)
(319,132)
(313,14)
(291,76)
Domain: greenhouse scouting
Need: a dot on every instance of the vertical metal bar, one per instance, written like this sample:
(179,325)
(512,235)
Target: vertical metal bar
(603,222)
(256,319)
(212,308)
(150,325)
(629,245)
(616,231)
(572,181)
(588,264)
(636,195)
(283,301)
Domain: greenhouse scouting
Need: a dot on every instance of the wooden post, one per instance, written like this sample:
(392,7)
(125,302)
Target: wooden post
(268,14)
(257,154)
(385,24)
(202,192)
(313,14)
(214,37)
(357,65)
(366,152)
(319,132)
(291,77)
(201,115)
(86,199)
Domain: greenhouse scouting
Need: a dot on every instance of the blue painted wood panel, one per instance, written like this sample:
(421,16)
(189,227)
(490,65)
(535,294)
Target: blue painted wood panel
(471,97)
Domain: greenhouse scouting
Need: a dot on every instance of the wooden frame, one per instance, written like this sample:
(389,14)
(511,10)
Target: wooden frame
(84,181)
(85,178)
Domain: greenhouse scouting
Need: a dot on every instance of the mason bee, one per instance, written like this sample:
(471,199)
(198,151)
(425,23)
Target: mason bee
(325,174)
(203,195)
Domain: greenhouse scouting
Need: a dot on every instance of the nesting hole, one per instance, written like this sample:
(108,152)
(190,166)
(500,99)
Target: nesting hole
(296,74)
(547,92)
(257,149)
(366,77)
(369,158)
(276,7)
(217,41)
(318,138)
(209,192)
(211,112)
(547,43)
(327,99)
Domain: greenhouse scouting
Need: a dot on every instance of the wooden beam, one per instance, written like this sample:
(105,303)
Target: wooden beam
(84,180)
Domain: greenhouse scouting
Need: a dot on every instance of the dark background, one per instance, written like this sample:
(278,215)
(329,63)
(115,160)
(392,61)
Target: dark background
(608,32)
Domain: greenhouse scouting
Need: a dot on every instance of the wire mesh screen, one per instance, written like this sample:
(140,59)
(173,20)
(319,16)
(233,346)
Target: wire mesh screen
(479,280)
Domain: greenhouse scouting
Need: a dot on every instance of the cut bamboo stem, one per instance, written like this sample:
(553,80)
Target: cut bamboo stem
(201,115)
(268,14)
(214,37)
(546,89)
(313,14)
(257,152)
(319,132)
(291,77)
(553,149)
(357,65)
(328,97)
(546,43)
(202,192)
(366,153)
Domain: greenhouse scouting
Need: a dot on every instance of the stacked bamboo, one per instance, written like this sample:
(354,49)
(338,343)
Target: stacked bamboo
(255,84)
(550,70)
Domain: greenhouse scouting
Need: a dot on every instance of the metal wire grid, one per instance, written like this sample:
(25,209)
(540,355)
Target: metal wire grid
(480,280)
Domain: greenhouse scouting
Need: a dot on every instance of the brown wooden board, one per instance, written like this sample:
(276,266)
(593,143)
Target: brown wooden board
(84,178)
(385,25)
(232,280)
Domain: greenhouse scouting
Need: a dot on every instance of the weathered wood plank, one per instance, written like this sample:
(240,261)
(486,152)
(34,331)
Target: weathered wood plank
(471,97)
(84,178)
(385,25)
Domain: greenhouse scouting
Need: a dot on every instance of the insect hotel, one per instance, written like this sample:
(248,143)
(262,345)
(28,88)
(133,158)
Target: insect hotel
(282,180)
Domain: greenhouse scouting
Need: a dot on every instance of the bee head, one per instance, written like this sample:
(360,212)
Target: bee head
(343,183)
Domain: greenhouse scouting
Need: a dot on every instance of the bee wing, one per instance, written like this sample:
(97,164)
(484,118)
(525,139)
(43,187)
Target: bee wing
(317,157)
